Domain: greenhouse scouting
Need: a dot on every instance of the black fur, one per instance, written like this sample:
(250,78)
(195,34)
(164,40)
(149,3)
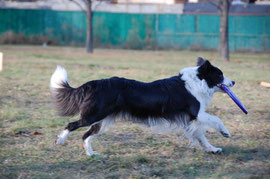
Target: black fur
(67,100)
(95,100)
(200,61)
(211,74)
(162,99)
(174,99)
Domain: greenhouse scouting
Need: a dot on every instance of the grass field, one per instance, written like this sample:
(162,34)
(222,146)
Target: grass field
(29,125)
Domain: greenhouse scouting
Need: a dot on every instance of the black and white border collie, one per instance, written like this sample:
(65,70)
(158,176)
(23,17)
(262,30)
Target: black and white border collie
(172,105)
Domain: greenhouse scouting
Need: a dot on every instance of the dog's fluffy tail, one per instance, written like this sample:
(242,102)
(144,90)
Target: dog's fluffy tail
(65,98)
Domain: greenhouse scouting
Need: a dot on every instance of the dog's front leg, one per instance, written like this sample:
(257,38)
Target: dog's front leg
(214,122)
(204,144)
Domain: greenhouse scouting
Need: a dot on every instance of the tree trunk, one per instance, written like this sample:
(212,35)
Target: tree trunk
(223,48)
(89,33)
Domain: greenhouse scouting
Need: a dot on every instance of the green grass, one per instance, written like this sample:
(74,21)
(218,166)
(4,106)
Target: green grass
(128,151)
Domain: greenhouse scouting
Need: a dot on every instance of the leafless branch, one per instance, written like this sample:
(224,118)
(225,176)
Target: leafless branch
(96,6)
(216,5)
(100,1)
(78,4)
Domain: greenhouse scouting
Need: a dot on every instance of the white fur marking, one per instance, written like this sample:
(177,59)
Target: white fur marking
(59,76)
(61,137)
(88,147)
(206,145)
(161,125)
(227,82)
(197,137)
(214,122)
(87,142)
(198,88)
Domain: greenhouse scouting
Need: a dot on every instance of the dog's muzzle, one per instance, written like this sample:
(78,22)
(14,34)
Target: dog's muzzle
(229,85)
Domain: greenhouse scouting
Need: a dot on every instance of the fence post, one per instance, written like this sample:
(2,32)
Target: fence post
(1,61)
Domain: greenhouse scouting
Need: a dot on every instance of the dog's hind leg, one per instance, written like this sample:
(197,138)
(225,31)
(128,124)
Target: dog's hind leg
(94,130)
(70,127)
(88,137)
(214,122)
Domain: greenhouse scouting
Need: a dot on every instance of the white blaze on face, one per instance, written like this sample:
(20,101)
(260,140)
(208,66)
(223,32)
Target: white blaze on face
(228,82)
(198,88)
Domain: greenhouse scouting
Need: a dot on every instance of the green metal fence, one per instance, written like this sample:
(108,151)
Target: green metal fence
(138,31)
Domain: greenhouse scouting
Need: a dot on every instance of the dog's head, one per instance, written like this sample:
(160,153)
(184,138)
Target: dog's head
(212,75)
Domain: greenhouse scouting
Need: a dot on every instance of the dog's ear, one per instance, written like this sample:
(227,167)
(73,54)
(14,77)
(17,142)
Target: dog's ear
(205,67)
(200,61)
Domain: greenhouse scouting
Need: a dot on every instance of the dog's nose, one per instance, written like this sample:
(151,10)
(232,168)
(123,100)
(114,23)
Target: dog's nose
(233,82)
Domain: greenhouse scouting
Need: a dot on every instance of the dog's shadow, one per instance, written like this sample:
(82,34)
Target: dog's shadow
(246,154)
(99,164)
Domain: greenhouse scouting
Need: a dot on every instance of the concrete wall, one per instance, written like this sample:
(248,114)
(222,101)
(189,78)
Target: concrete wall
(98,6)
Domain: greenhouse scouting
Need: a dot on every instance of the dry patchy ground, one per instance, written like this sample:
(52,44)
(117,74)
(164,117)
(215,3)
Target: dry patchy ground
(29,124)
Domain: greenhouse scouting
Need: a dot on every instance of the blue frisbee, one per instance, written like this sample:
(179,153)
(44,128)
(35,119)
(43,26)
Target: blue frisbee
(234,98)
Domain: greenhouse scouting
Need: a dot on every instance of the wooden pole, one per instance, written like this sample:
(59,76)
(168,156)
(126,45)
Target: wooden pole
(265,84)
(1,61)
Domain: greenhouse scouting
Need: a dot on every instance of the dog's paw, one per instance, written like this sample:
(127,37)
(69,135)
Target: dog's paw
(215,151)
(61,137)
(89,151)
(224,131)
(58,141)
(92,154)
(226,134)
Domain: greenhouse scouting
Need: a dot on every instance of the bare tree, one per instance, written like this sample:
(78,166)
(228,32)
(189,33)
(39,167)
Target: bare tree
(223,47)
(89,16)
(89,22)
